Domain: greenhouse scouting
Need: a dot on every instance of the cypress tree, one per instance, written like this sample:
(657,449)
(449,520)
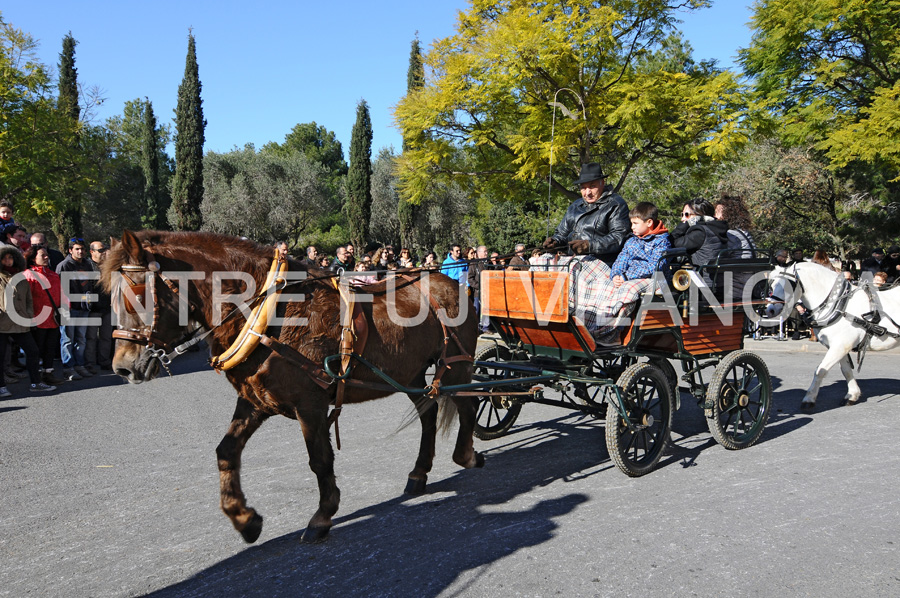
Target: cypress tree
(415,80)
(359,184)
(187,188)
(152,217)
(66,221)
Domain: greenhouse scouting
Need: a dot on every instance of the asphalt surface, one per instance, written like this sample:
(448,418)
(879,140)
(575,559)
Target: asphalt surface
(112,490)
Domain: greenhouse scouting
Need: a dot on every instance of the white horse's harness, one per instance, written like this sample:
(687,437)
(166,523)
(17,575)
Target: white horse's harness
(833,308)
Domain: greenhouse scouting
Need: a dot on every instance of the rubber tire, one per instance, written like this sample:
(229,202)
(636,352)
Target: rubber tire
(722,390)
(643,386)
(492,421)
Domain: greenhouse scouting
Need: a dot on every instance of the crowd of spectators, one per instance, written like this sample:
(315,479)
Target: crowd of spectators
(45,323)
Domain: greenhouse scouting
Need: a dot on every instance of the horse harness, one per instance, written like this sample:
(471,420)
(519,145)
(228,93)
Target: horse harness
(834,308)
(354,334)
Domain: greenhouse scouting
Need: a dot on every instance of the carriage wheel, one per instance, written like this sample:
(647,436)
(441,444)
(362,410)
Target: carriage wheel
(740,393)
(669,371)
(496,414)
(648,405)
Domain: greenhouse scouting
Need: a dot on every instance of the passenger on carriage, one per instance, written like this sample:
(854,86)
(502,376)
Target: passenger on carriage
(740,245)
(641,255)
(700,234)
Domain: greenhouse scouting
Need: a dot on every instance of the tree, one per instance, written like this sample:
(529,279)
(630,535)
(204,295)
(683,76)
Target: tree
(187,187)
(319,145)
(67,217)
(264,196)
(384,225)
(415,80)
(496,83)
(359,187)
(831,72)
(153,215)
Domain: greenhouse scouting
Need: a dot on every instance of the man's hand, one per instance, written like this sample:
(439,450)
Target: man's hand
(580,246)
(617,281)
(548,243)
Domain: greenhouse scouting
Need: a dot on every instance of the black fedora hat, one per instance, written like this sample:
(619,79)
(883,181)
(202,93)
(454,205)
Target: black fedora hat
(590,172)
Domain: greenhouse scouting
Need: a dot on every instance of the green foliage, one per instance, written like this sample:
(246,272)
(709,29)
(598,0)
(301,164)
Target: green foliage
(614,71)
(67,216)
(68,79)
(831,71)
(319,145)
(415,80)
(187,187)
(153,214)
(359,187)
(509,223)
(384,223)
(264,196)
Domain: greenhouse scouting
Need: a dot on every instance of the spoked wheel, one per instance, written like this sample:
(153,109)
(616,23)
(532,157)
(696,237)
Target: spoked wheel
(740,393)
(497,414)
(648,405)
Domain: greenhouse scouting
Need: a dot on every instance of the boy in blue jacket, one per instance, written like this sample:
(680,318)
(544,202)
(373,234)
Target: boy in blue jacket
(640,256)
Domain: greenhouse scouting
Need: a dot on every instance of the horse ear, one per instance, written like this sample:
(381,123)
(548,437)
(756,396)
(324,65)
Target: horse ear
(113,242)
(133,248)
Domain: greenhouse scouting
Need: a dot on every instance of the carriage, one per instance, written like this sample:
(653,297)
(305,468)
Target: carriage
(541,353)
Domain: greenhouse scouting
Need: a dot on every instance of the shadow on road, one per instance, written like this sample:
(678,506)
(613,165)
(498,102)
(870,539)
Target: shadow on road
(419,546)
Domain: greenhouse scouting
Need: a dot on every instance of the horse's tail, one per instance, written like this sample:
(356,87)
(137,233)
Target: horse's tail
(447,413)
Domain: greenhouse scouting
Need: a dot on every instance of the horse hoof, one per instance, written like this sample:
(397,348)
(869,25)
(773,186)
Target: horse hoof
(314,535)
(253,529)
(479,460)
(415,486)
(806,405)
(848,402)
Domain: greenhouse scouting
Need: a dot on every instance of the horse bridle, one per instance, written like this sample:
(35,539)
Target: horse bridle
(148,335)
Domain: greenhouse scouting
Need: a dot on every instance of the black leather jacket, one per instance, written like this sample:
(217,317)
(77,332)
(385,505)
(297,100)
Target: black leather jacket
(605,223)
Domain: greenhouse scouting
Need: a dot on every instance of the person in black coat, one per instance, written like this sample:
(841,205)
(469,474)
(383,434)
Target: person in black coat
(701,234)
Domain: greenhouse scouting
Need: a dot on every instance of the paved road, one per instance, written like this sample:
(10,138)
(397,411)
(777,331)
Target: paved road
(111,490)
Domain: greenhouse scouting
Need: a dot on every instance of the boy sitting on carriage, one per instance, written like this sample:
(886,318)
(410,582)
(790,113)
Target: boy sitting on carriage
(631,274)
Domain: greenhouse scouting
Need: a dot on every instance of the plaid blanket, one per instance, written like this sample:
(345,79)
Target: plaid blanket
(597,302)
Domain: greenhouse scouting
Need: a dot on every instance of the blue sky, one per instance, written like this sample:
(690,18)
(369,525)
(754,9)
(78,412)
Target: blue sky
(264,68)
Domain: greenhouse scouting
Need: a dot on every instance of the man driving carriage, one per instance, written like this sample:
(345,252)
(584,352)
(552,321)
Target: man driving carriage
(595,228)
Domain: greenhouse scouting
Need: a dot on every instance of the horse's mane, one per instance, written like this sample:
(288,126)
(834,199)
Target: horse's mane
(204,250)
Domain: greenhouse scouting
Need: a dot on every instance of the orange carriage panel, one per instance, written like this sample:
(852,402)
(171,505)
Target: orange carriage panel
(525,295)
(556,335)
(708,335)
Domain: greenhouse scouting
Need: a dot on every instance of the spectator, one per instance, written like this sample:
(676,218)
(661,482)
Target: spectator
(45,294)
(312,257)
(56,257)
(98,351)
(75,273)
(495,260)
(821,257)
(430,261)
(6,213)
(781,258)
(387,256)
(282,248)
(454,265)
(874,264)
(17,236)
(11,263)
(323,261)
(341,260)
(518,261)
(880,279)
(405,260)
(893,266)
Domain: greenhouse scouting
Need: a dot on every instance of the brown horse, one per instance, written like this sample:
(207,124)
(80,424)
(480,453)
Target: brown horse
(271,381)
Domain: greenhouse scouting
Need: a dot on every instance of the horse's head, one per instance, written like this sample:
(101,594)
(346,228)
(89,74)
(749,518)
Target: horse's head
(146,306)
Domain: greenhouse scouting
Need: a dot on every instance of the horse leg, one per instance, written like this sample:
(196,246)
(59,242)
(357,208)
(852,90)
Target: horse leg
(834,355)
(428,411)
(314,424)
(853,390)
(244,423)
(464,453)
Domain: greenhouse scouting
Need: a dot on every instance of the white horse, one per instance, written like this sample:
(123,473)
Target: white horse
(837,311)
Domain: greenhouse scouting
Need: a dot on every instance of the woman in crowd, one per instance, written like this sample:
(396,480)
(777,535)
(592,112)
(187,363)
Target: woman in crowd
(16,312)
(431,261)
(405,261)
(821,257)
(46,297)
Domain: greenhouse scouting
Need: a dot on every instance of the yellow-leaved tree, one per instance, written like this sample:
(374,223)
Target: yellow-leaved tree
(609,81)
